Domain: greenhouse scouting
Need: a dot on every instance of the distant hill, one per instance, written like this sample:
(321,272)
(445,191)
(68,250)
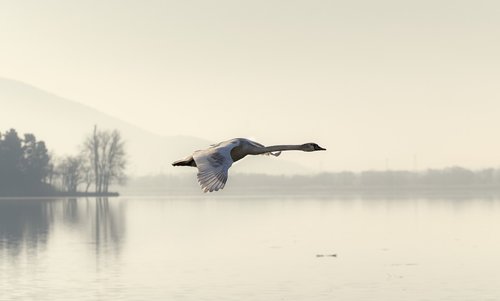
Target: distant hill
(63,124)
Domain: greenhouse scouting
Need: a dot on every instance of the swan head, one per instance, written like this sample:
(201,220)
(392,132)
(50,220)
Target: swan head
(311,147)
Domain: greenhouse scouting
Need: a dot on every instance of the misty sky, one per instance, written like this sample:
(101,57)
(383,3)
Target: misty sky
(378,83)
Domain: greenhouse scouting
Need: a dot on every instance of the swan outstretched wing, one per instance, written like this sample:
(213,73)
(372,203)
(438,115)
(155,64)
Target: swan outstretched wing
(213,165)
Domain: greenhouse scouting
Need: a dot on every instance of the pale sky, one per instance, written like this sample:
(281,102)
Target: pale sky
(378,83)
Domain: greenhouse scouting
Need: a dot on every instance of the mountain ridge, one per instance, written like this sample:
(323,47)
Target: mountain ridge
(64,123)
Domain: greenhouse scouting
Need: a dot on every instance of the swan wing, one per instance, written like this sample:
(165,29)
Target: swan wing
(213,165)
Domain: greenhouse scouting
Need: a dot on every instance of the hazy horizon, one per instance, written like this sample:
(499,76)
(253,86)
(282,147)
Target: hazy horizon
(380,85)
(104,96)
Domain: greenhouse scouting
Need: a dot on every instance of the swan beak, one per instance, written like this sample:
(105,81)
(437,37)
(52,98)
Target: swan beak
(320,148)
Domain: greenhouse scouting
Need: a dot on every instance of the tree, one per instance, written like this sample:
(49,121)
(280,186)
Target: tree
(24,164)
(72,174)
(87,173)
(35,164)
(105,150)
(11,155)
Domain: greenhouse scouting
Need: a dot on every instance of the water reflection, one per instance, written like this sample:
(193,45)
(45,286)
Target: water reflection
(28,224)
(24,223)
(264,248)
(107,226)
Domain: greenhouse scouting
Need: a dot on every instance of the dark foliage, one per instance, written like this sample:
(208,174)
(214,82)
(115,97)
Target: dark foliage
(24,165)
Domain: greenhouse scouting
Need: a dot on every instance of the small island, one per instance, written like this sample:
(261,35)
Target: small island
(28,169)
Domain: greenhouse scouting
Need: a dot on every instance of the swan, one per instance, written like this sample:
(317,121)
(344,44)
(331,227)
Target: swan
(213,163)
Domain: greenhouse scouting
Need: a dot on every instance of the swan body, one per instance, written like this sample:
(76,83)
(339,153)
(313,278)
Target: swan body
(214,162)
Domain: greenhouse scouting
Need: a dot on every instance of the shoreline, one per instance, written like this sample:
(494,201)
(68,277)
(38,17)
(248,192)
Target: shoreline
(62,194)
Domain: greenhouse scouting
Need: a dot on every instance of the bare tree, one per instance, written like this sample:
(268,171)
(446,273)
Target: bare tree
(105,151)
(93,146)
(70,170)
(115,162)
(88,174)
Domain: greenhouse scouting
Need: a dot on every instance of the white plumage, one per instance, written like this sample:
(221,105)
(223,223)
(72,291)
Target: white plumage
(213,164)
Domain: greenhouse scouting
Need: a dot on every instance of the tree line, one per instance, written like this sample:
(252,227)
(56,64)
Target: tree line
(27,167)
(450,178)
(454,176)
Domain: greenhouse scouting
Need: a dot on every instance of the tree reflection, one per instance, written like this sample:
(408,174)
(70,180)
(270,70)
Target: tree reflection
(107,226)
(27,224)
(24,223)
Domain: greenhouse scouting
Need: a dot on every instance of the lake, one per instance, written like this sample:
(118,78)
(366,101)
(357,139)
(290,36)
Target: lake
(221,247)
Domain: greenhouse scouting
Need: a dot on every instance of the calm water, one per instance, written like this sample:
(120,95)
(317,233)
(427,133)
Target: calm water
(263,248)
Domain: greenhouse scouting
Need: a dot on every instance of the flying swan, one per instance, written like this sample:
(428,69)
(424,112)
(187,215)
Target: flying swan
(213,163)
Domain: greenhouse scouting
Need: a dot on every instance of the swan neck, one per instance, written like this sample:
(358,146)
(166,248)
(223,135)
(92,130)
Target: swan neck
(277,148)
